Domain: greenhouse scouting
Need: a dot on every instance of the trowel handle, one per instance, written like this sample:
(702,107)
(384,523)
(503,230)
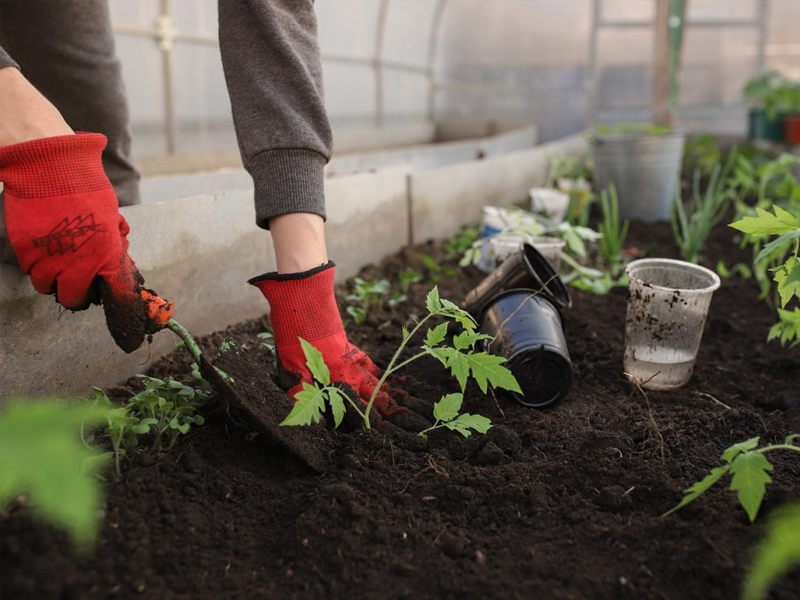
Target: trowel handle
(159,310)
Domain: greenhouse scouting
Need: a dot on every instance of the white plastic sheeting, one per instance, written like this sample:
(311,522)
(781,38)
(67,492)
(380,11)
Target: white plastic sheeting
(470,65)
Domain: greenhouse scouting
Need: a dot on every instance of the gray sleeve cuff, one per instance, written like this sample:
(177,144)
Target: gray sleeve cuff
(6,60)
(287,181)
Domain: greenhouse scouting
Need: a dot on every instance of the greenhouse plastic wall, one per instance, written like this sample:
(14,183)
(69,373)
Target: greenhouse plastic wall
(470,67)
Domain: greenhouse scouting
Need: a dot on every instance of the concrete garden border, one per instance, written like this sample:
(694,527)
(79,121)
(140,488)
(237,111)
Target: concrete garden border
(200,249)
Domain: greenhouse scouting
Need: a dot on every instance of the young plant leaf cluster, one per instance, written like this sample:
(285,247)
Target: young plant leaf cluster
(462,359)
(165,410)
(613,231)
(369,295)
(447,413)
(749,468)
(312,400)
(692,222)
(43,460)
(782,252)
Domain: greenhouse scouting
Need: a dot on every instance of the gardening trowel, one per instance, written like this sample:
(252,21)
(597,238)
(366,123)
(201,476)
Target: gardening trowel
(246,387)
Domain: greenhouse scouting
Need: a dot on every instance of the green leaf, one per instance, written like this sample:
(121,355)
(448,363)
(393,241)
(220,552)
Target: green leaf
(489,369)
(777,244)
(406,332)
(458,365)
(750,480)
(694,491)
(42,456)
(436,335)
(787,276)
(477,423)
(432,301)
(765,224)
(336,400)
(315,363)
(791,438)
(737,449)
(776,554)
(458,314)
(447,408)
(308,408)
(466,340)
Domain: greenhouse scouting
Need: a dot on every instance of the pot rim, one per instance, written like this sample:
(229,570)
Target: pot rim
(716,282)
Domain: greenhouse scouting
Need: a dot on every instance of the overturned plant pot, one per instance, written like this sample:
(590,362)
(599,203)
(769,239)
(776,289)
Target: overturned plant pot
(526,269)
(528,333)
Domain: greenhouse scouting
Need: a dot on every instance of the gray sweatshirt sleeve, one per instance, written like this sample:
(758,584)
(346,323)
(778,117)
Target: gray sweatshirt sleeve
(5,60)
(271,60)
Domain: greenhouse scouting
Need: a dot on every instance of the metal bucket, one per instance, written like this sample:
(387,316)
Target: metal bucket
(644,168)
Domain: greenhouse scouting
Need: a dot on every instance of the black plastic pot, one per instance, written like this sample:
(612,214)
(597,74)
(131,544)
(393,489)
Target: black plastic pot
(527,269)
(528,333)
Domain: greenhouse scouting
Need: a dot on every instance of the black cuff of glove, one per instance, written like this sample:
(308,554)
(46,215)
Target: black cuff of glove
(275,276)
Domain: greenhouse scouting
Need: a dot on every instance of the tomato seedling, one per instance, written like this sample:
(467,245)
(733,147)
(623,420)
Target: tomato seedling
(749,469)
(462,359)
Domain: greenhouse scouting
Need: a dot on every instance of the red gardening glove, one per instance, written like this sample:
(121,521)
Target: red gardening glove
(64,225)
(303,305)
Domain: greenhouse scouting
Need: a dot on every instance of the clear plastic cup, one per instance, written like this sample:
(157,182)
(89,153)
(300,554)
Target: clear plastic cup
(502,246)
(667,307)
(550,248)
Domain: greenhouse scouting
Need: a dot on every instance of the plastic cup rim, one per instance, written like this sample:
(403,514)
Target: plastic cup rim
(716,282)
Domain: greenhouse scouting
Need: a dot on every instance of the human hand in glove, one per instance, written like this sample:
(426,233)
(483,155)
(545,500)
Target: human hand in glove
(64,225)
(303,305)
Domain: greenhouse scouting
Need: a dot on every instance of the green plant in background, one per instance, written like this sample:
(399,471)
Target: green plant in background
(461,358)
(749,469)
(576,168)
(437,272)
(457,245)
(367,295)
(447,413)
(267,341)
(692,222)
(740,269)
(407,278)
(613,231)
(43,460)
(764,92)
(776,554)
(631,129)
(571,175)
(786,272)
(702,153)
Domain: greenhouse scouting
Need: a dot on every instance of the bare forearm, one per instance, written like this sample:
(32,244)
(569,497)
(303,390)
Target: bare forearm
(25,114)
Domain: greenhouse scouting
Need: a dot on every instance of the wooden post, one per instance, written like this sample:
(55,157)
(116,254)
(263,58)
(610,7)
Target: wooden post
(667,59)
(661,110)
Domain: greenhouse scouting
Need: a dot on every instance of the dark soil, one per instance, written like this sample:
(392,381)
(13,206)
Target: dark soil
(560,503)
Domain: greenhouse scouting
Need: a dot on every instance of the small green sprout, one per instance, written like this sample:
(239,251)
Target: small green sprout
(407,278)
(749,469)
(446,412)
(436,271)
(613,231)
(367,295)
